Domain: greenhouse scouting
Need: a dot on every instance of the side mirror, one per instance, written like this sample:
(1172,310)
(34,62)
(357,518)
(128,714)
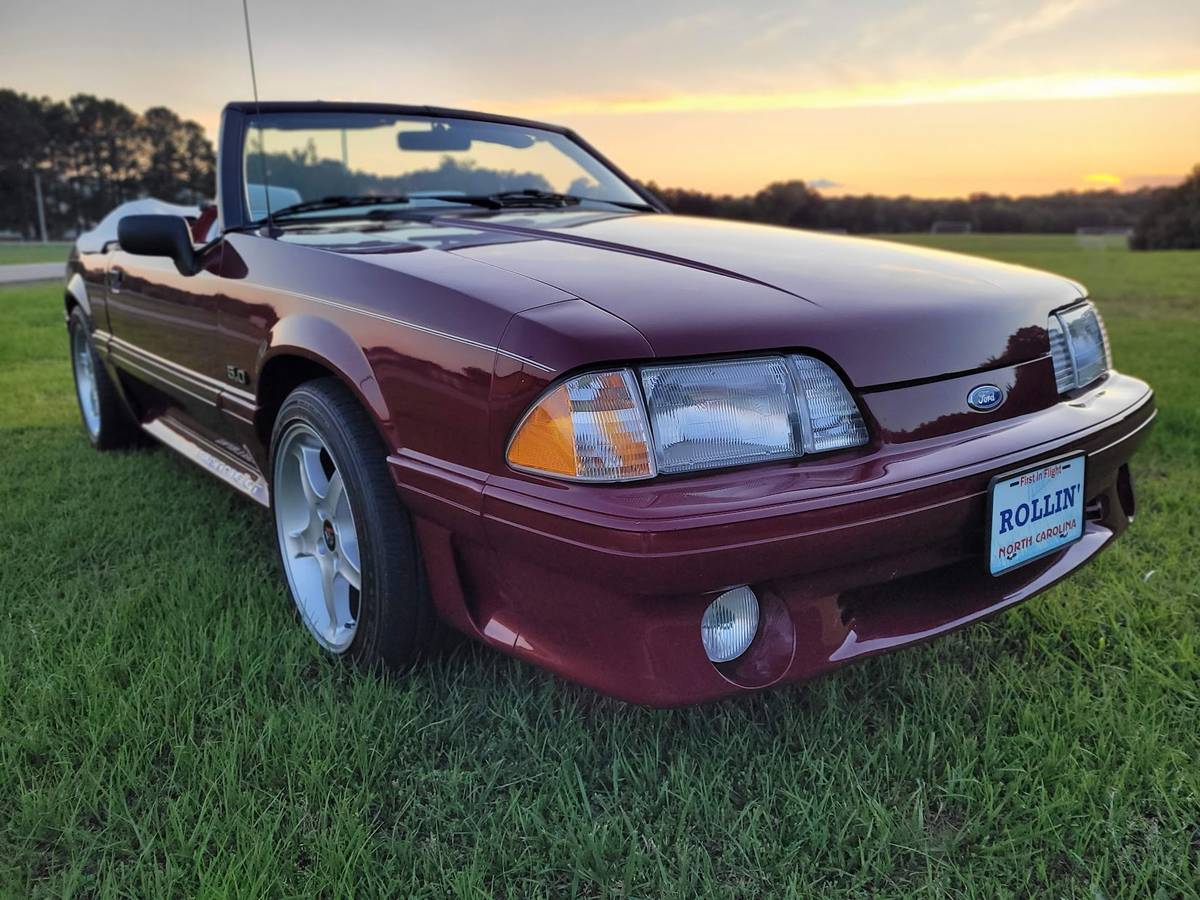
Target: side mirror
(159,236)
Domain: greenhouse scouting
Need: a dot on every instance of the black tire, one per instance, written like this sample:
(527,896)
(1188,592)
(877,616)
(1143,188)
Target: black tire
(395,623)
(115,428)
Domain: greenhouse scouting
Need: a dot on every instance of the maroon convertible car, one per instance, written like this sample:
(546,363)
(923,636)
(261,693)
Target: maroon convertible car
(482,378)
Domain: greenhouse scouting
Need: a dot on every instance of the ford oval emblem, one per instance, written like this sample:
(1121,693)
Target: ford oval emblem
(985,397)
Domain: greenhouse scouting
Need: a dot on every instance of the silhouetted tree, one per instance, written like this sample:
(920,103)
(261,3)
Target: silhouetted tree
(93,153)
(178,159)
(1173,220)
(790,203)
(21,138)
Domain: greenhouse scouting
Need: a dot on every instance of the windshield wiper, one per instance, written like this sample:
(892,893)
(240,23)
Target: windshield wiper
(339,202)
(526,197)
(533,196)
(624,204)
(505,199)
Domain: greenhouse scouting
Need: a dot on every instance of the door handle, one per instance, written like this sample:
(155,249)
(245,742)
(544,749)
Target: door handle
(116,278)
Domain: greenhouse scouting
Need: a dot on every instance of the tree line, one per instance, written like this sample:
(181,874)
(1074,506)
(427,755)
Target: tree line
(795,204)
(1173,220)
(304,171)
(90,154)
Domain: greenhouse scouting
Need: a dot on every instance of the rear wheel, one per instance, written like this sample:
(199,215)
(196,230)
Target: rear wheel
(345,541)
(105,419)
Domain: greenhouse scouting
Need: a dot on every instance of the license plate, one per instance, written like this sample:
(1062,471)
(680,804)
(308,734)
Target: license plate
(1034,512)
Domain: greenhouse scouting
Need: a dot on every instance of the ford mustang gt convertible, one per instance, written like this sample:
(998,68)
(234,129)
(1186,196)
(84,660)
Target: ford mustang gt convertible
(482,379)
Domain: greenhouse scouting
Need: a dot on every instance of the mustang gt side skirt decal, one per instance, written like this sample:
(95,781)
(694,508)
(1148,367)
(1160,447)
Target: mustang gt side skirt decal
(208,456)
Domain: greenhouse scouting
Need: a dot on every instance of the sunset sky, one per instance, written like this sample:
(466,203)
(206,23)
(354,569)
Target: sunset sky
(927,98)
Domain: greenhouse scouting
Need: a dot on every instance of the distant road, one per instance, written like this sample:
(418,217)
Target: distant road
(32,272)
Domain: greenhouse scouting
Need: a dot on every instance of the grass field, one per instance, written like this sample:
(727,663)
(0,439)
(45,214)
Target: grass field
(33,253)
(167,730)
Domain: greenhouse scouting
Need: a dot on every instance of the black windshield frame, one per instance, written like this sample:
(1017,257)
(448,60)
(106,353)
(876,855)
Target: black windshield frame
(238,118)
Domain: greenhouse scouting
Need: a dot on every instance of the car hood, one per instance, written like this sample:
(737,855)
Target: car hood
(884,312)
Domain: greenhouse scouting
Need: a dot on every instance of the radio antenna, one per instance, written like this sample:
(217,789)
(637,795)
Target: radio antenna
(262,147)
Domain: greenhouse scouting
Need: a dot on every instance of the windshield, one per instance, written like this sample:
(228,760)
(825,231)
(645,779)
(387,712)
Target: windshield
(340,162)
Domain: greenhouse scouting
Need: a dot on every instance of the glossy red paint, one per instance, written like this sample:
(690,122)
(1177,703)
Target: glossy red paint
(577,577)
(447,330)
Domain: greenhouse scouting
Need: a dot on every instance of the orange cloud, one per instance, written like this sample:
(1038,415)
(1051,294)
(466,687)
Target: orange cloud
(1044,87)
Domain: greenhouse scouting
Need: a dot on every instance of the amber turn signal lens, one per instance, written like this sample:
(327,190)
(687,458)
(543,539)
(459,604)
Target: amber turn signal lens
(589,428)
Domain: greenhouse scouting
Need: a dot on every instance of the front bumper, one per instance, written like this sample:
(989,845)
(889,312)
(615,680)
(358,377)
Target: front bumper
(850,556)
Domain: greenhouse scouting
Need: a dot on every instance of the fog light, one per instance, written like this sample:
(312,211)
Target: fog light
(729,624)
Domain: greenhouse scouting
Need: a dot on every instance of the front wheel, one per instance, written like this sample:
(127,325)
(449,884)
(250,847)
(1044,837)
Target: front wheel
(345,541)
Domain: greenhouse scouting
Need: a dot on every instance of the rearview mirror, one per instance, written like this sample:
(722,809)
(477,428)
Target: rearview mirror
(159,236)
(461,135)
(438,138)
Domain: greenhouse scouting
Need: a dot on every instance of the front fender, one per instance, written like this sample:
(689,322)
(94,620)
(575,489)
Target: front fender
(321,341)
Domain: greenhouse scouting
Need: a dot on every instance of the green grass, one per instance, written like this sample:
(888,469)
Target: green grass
(167,730)
(33,253)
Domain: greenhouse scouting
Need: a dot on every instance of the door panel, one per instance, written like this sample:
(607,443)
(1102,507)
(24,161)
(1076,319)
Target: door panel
(164,326)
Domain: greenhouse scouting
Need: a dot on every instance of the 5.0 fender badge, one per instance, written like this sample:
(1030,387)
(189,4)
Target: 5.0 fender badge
(985,398)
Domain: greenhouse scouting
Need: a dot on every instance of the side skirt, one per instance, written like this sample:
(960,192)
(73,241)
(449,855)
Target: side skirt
(209,456)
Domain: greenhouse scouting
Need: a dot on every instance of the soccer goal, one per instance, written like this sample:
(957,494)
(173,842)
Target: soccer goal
(950,226)
(1103,236)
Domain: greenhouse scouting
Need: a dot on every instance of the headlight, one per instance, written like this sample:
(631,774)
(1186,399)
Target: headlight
(722,413)
(1078,346)
(697,416)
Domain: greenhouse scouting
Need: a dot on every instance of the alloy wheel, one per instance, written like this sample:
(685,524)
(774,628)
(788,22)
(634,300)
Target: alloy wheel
(318,540)
(85,380)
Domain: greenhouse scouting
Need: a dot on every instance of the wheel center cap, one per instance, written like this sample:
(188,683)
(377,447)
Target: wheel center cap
(330,536)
